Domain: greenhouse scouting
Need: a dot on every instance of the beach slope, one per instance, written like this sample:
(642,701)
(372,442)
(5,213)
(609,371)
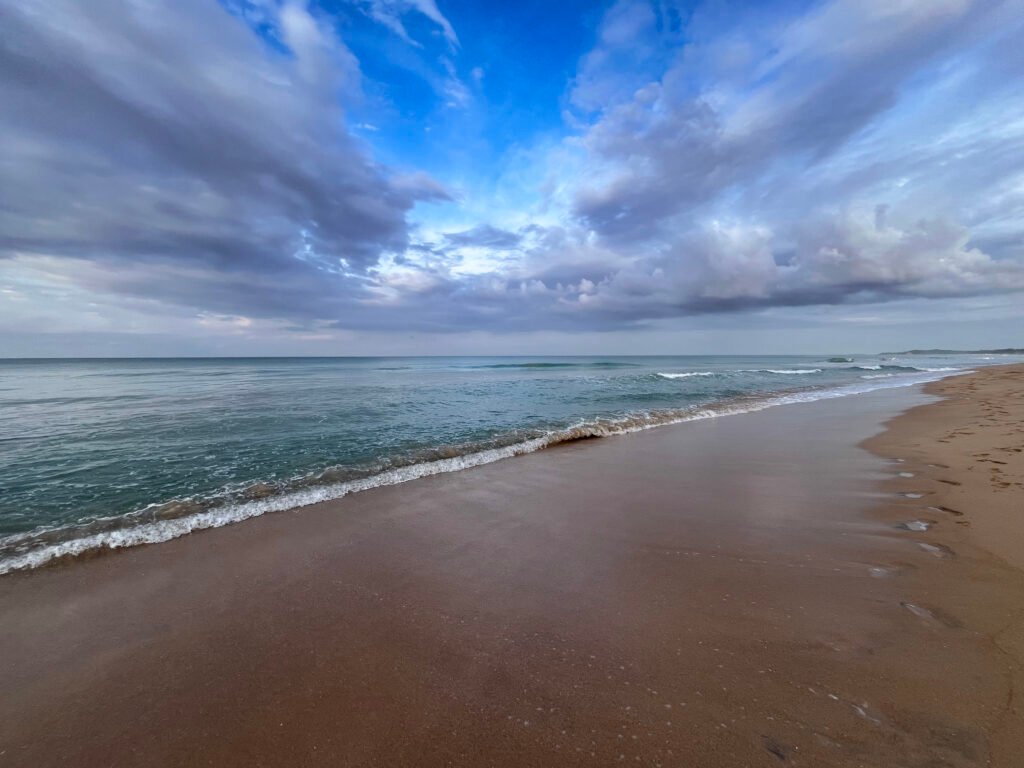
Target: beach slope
(747,590)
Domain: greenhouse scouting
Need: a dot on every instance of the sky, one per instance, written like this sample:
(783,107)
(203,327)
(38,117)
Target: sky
(361,177)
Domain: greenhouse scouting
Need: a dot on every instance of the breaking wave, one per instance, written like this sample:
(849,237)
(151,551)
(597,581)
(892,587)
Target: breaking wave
(163,522)
(899,368)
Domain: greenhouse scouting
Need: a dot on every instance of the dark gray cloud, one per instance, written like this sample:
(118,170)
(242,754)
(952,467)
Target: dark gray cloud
(863,152)
(835,260)
(670,152)
(762,187)
(168,143)
(852,258)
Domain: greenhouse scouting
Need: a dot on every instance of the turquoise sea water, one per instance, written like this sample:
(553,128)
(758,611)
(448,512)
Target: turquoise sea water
(98,453)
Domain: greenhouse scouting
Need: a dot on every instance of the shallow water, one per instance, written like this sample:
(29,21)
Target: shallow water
(118,452)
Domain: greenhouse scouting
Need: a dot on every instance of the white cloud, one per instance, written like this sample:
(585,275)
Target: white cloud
(390,13)
(864,153)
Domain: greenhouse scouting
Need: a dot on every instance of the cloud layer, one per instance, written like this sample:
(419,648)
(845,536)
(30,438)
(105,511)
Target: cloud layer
(167,152)
(168,156)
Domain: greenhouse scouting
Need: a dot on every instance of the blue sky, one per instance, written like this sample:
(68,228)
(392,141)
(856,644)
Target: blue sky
(432,177)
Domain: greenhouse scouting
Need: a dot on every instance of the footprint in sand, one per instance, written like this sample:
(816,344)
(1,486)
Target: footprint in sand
(888,571)
(947,510)
(881,572)
(933,615)
(777,749)
(919,526)
(936,550)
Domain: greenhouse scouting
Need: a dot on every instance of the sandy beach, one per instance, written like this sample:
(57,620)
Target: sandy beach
(836,583)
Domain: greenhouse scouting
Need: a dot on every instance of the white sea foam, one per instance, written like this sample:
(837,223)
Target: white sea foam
(791,371)
(158,531)
(686,375)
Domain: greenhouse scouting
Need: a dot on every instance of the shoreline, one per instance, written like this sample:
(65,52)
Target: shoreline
(722,592)
(153,524)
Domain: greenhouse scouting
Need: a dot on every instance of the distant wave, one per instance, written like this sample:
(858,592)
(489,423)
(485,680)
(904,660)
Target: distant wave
(885,368)
(686,375)
(788,371)
(901,368)
(75,400)
(163,522)
(608,364)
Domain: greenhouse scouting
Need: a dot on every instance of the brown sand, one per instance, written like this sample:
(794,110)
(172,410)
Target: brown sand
(966,455)
(722,593)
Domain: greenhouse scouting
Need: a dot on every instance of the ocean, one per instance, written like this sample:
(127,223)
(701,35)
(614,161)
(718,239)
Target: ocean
(114,453)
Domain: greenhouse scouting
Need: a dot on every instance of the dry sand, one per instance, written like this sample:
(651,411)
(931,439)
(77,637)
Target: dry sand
(965,458)
(732,592)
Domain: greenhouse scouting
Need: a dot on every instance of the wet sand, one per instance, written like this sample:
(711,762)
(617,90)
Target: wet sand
(732,592)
